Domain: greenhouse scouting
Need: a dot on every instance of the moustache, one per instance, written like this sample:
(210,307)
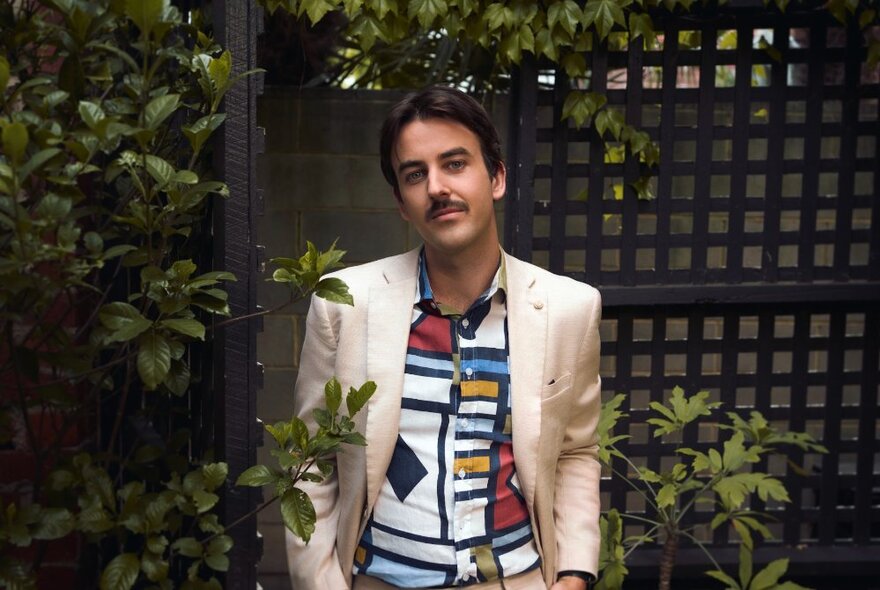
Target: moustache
(446,206)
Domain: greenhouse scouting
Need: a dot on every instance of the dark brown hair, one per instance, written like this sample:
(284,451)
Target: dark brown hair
(439,102)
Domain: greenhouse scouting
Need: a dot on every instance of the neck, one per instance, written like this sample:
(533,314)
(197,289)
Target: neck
(458,282)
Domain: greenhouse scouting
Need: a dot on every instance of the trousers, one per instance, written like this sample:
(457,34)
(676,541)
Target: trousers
(532,580)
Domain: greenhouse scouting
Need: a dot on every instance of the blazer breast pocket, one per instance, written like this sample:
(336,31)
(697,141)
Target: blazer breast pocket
(556,389)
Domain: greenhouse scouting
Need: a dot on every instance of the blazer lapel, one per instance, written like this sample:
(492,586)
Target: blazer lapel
(527,330)
(388,320)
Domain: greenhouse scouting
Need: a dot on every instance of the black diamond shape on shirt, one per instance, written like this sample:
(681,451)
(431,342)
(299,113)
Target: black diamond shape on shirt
(406,470)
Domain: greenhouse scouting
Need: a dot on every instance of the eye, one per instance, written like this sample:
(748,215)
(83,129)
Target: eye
(414,176)
(456,164)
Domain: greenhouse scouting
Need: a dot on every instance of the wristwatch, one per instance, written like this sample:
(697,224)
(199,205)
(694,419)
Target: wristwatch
(590,579)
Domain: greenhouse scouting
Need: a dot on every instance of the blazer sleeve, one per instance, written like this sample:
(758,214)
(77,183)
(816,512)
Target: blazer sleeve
(315,566)
(577,503)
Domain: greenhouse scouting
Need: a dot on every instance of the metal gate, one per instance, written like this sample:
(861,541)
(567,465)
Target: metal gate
(755,271)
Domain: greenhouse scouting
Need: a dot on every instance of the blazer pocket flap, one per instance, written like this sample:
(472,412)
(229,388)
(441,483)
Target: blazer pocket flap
(556,388)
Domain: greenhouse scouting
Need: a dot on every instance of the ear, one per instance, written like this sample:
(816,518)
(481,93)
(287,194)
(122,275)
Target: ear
(499,182)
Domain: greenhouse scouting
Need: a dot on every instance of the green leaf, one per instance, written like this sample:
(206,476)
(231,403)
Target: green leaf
(298,513)
(333,395)
(768,577)
(498,16)
(425,11)
(546,45)
(121,573)
(609,120)
(316,9)
(218,563)
(366,29)
(219,545)
(179,376)
(357,398)
(724,578)
(145,13)
(187,327)
(15,140)
(37,161)
(734,452)
(204,500)
(124,321)
(4,74)
(159,169)
(335,290)
(666,496)
(744,534)
(567,13)
(641,25)
(215,474)
(185,177)
(188,547)
(201,130)
(153,360)
(154,567)
(92,114)
(715,462)
(603,14)
(219,69)
(299,433)
(256,476)
(54,523)
(581,106)
(574,64)
(159,109)
(745,564)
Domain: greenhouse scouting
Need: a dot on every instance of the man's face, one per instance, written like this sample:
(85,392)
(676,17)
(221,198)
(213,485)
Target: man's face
(445,190)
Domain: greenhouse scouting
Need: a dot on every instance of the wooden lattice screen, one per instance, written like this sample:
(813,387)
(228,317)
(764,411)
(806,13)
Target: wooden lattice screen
(754,272)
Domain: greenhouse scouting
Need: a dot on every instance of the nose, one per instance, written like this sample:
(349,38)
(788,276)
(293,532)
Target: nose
(437,188)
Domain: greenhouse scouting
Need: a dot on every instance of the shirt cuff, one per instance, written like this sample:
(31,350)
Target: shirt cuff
(587,577)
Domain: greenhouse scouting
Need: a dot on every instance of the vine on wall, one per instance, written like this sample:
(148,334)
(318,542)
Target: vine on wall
(473,44)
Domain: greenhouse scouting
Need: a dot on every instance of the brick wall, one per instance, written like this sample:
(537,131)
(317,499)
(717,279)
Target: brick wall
(321,181)
(27,433)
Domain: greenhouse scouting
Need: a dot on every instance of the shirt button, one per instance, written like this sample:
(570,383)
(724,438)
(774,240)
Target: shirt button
(465,323)
(464,422)
(469,371)
(462,473)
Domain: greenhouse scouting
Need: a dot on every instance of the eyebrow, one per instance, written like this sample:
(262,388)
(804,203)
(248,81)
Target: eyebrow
(456,151)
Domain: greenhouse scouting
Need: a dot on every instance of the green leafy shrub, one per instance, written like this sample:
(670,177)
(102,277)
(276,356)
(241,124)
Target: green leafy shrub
(723,477)
(106,114)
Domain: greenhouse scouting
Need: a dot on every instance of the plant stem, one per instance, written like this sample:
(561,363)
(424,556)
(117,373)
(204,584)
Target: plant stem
(243,518)
(256,314)
(667,559)
(702,546)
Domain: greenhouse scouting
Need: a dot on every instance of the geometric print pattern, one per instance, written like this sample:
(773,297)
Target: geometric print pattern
(451,511)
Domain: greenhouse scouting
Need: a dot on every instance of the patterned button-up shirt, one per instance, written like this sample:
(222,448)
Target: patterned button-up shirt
(451,511)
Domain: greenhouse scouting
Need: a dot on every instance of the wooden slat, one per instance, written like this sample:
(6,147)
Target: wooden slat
(558,184)
(829,490)
(866,477)
(848,139)
(598,61)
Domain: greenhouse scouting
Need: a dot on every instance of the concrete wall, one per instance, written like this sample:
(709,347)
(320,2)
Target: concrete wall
(322,181)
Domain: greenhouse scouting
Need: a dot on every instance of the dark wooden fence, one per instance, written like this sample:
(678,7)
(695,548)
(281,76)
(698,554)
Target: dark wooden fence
(755,271)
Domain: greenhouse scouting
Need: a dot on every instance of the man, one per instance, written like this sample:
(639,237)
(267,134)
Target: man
(480,468)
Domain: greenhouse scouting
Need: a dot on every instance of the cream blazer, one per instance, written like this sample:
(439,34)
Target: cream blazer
(553,326)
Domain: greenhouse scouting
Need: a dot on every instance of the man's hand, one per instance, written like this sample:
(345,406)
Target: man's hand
(569,583)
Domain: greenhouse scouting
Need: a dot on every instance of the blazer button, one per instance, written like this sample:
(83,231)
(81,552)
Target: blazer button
(538,304)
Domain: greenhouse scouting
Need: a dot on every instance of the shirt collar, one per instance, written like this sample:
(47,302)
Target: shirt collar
(425,295)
